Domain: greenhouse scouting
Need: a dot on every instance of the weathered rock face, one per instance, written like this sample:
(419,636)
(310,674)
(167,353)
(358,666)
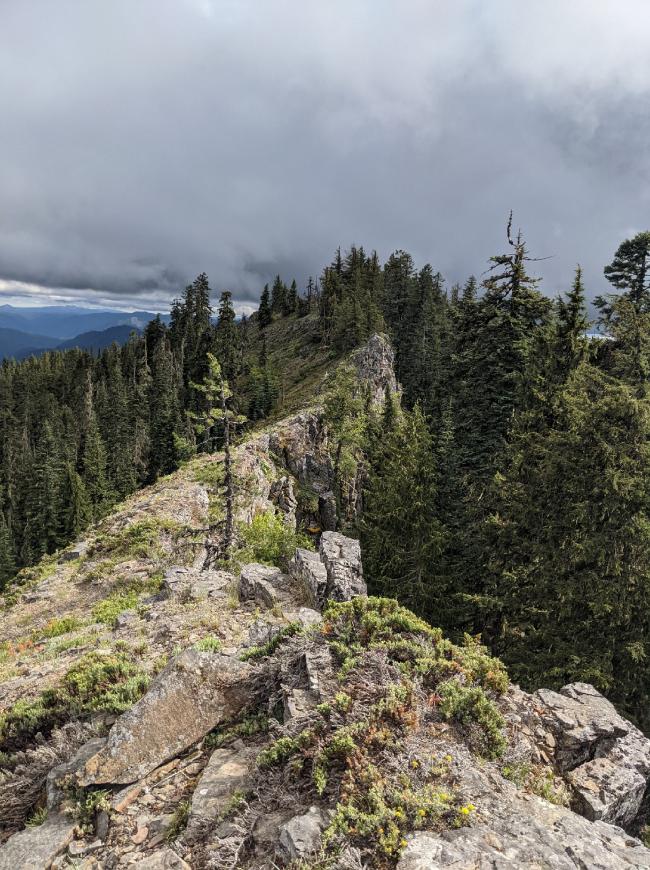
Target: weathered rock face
(605,758)
(341,557)
(225,776)
(309,571)
(262,584)
(300,837)
(195,693)
(375,365)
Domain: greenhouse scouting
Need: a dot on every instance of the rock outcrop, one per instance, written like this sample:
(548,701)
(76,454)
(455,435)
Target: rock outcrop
(195,693)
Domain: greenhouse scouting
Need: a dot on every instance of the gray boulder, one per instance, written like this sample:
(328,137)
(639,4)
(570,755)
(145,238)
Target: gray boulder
(37,847)
(227,772)
(261,584)
(301,836)
(196,692)
(605,759)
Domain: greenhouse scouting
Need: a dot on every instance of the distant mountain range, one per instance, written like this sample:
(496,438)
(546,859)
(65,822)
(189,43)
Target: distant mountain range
(29,331)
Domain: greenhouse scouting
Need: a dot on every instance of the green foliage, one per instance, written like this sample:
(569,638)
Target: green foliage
(139,540)
(254,724)
(469,704)
(108,610)
(88,805)
(57,627)
(179,820)
(269,540)
(208,644)
(107,683)
(37,818)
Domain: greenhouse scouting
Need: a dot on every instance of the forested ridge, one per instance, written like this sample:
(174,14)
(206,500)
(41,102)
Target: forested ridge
(507,496)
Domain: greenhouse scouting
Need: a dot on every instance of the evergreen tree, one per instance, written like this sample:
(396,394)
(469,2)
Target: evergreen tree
(7,559)
(629,271)
(570,547)
(264,314)
(77,510)
(278,296)
(402,540)
(217,412)
(290,299)
(227,339)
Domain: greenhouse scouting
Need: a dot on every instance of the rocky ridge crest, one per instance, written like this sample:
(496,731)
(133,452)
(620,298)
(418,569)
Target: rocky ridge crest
(280,717)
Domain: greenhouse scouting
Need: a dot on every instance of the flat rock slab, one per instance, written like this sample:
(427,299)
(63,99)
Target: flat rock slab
(227,772)
(196,692)
(35,848)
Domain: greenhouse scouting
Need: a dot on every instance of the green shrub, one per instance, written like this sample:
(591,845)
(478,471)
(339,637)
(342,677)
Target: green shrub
(57,627)
(37,818)
(179,820)
(108,610)
(108,683)
(470,704)
(269,540)
(250,725)
(208,644)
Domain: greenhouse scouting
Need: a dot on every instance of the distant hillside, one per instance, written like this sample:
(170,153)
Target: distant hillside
(13,342)
(65,321)
(98,340)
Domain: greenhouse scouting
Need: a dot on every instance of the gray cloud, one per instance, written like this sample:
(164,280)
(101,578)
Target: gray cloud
(143,142)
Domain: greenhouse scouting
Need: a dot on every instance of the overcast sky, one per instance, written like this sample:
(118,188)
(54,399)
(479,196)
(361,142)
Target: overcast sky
(144,141)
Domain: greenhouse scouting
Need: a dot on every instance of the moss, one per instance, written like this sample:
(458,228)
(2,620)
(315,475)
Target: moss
(267,649)
(107,683)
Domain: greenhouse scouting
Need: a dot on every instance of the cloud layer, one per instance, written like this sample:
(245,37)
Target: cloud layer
(143,142)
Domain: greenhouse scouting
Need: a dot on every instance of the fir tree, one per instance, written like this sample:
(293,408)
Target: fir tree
(264,314)
(402,540)
(227,339)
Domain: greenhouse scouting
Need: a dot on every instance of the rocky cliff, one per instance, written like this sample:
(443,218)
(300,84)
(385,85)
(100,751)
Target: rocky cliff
(166,711)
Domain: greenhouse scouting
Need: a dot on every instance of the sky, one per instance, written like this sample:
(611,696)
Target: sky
(145,141)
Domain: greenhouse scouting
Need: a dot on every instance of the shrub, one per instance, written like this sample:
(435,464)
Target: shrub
(57,627)
(208,644)
(268,648)
(108,610)
(269,540)
(470,704)
(108,683)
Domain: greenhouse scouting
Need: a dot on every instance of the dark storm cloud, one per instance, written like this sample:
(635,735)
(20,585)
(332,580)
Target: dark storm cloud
(143,142)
